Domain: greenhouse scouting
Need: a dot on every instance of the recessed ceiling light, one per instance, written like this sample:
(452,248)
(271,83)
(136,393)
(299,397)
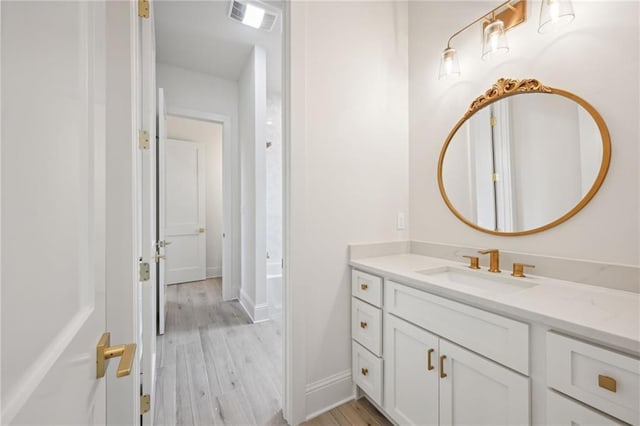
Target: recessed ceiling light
(253,16)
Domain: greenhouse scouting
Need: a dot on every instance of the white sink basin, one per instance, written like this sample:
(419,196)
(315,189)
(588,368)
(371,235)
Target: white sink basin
(477,280)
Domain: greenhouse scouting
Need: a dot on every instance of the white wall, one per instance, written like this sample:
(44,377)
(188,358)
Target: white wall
(193,91)
(348,173)
(252,112)
(585,59)
(210,134)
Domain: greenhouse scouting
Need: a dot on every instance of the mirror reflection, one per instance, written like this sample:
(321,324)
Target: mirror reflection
(522,162)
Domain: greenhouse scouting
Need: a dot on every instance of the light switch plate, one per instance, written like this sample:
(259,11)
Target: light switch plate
(400,224)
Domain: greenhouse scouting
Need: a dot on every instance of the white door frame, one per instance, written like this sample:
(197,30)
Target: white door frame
(123,29)
(230,281)
(294,407)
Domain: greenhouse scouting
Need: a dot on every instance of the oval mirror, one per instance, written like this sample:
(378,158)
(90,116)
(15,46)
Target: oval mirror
(524,158)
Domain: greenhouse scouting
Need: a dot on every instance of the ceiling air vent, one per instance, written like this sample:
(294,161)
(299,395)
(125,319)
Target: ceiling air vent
(254,14)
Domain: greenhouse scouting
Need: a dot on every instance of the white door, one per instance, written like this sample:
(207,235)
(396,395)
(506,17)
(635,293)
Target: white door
(53,212)
(411,373)
(161,210)
(185,211)
(476,391)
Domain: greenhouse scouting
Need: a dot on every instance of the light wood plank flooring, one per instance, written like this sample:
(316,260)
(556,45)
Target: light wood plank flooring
(217,368)
(359,412)
(214,366)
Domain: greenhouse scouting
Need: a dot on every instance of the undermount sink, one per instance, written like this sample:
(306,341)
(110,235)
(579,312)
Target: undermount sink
(479,280)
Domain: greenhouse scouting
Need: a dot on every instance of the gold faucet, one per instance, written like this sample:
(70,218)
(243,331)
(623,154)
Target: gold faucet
(494,259)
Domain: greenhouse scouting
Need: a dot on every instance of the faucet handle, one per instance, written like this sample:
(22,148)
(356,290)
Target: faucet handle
(474,262)
(487,251)
(518,269)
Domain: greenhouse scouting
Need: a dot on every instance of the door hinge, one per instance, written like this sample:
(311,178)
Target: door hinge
(143,139)
(492,121)
(144,271)
(145,403)
(143,8)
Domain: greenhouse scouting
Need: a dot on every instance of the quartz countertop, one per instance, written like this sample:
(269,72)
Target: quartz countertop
(611,317)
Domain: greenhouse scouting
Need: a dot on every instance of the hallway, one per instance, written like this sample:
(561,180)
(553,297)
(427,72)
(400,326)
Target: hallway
(214,366)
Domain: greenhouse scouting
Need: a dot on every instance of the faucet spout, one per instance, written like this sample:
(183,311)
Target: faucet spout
(494,259)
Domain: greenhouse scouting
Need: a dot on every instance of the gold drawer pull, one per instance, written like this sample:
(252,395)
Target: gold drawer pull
(429,365)
(363,324)
(364,286)
(608,383)
(442,373)
(364,371)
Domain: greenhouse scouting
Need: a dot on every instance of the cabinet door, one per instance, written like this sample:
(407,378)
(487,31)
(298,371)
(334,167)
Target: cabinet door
(476,391)
(410,386)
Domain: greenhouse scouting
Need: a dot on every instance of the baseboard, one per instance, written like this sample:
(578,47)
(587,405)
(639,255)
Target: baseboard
(328,393)
(215,272)
(261,312)
(247,304)
(257,313)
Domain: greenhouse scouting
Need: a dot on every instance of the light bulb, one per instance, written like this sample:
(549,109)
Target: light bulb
(449,65)
(554,11)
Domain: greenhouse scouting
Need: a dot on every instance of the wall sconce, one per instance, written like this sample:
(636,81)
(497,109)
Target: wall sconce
(494,41)
(553,14)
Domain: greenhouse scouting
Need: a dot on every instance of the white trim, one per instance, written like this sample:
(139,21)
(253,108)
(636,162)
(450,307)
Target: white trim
(231,186)
(328,393)
(215,272)
(257,313)
(247,303)
(294,349)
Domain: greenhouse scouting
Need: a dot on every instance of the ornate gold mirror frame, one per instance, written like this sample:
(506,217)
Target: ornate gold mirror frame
(507,87)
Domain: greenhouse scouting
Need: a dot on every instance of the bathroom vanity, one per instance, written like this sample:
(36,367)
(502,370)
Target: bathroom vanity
(435,342)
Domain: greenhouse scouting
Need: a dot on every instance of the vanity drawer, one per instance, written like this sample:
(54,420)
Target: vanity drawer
(366,325)
(367,372)
(501,339)
(604,379)
(563,411)
(366,287)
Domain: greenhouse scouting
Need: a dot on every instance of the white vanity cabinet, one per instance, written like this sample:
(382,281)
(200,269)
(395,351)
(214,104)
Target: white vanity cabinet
(430,381)
(425,359)
(366,332)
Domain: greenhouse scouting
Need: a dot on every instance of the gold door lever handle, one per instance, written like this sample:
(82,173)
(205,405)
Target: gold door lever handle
(159,256)
(106,352)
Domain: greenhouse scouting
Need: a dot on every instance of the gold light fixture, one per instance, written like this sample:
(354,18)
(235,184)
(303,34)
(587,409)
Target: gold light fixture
(495,23)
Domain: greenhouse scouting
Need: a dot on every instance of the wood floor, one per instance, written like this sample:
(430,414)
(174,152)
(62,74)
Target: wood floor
(359,412)
(217,368)
(214,366)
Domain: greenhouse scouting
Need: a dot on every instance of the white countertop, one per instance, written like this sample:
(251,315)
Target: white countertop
(611,317)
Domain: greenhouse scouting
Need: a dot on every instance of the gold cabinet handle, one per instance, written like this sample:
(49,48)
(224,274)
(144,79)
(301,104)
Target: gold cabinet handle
(364,286)
(364,371)
(442,373)
(201,230)
(363,324)
(608,383)
(106,352)
(429,365)
(164,243)
(159,256)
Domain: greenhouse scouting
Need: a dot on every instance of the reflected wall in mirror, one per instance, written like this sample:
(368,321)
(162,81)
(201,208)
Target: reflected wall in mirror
(524,158)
